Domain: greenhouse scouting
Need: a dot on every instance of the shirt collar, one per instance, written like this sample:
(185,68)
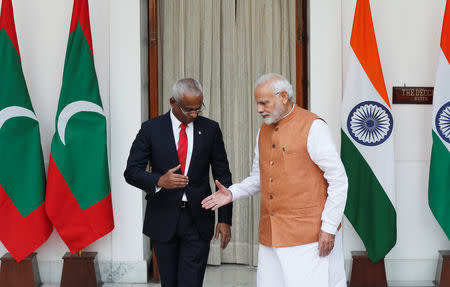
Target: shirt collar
(293,106)
(289,116)
(176,123)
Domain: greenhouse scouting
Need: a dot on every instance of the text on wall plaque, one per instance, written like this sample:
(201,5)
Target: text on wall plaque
(412,95)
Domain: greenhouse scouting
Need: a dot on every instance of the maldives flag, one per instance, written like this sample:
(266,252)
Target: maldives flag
(23,223)
(78,190)
(439,181)
(367,143)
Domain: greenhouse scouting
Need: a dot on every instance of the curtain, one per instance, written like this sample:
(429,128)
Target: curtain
(226,45)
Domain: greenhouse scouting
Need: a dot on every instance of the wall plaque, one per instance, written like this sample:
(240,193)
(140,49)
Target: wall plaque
(412,95)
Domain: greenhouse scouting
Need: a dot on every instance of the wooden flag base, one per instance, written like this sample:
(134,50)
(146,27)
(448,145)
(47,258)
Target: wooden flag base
(365,273)
(23,274)
(443,269)
(81,270)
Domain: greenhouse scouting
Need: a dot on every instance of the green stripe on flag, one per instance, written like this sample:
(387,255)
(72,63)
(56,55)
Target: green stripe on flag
(79,78)
(368,207)
(439,184)
(12,82)
(83,161)
(22,172)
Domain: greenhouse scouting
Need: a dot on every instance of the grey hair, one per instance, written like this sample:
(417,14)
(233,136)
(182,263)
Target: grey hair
(281,84)
(186,85)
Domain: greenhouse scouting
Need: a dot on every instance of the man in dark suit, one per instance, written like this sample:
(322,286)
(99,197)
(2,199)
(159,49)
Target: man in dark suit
(181,146)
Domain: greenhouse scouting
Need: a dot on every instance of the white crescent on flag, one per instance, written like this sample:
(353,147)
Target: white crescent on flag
(14,112)
(72,109)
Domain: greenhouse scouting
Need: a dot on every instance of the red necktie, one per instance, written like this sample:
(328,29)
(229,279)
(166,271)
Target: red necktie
(182,147)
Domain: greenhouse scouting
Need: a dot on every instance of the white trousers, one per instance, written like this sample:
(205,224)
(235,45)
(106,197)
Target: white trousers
(301,266)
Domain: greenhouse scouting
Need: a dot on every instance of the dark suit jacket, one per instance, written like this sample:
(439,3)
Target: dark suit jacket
(155,143)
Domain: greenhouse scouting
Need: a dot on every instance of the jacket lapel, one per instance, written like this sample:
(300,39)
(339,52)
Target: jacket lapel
(198,134)
(167,133)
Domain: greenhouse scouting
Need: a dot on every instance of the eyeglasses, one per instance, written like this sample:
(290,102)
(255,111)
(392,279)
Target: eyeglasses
(191,112)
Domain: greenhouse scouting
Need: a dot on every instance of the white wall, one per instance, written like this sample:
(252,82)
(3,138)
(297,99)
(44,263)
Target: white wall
(408,35)
(42,31)
(128,96)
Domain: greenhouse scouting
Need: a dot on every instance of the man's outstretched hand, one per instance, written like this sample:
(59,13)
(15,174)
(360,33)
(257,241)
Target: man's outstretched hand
(219,198)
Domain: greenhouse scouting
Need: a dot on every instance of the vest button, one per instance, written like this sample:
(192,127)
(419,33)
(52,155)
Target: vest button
(271,214)
(273,146)
(270,196)
(270,179)
(276,129)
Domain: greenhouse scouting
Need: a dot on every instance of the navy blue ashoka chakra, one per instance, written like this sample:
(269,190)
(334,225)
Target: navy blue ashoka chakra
(443,122)
(370,123)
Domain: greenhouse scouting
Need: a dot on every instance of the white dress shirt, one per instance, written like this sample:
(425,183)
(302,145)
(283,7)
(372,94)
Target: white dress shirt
(323,153)
(190,138)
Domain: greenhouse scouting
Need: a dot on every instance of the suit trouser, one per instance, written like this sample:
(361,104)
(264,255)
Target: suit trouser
(182,260)
(301,266)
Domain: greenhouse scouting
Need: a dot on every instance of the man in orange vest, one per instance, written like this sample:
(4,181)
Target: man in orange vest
(303,187)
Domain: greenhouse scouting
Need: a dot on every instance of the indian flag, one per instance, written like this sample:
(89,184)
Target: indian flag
(367,145)
(439,181)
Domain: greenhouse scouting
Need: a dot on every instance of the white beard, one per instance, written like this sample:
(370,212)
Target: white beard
(269,119)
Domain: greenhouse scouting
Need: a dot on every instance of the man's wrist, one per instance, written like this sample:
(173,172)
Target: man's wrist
(224,220)
(233,196)
(328,227)
(157,178)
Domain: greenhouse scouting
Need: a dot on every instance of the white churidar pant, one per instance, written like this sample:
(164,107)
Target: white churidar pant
(301,266)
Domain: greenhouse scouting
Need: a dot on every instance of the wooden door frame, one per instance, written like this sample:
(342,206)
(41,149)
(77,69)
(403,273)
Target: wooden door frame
(153,102)
(301,44)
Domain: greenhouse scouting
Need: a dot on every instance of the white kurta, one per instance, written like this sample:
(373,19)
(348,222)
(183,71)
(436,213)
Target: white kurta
(290,260)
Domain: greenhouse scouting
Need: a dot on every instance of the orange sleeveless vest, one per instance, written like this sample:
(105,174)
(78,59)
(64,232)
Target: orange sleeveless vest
(293,189)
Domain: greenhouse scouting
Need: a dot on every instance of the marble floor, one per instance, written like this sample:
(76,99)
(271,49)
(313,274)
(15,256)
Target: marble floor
(227,275)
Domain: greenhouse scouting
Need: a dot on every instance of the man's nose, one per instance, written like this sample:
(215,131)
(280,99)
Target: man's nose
(259,109)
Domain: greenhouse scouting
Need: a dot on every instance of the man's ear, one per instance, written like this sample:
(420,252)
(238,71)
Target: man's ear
(284,97)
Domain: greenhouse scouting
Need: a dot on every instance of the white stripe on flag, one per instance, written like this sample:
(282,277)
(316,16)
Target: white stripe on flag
(358,88)
(441,94)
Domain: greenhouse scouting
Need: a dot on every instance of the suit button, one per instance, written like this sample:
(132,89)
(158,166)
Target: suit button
(270,196)
(273,146)
(271,214)
(270,179)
